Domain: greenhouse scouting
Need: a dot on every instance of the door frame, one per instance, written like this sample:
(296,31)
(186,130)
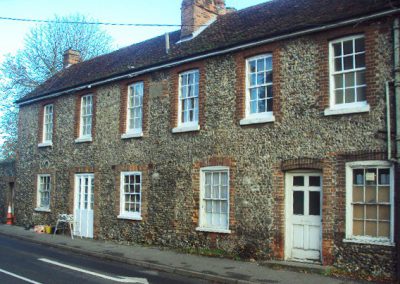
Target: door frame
(76,198)
(288,204)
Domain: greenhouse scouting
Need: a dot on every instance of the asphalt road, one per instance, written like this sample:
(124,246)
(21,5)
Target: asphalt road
(25,262)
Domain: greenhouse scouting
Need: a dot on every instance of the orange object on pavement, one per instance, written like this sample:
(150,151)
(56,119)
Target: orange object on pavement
(9,216)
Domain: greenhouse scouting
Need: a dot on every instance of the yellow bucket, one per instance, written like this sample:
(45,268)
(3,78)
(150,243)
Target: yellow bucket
(47,229)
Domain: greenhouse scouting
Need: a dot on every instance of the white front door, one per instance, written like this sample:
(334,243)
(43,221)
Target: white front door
(303,239)
(83,205)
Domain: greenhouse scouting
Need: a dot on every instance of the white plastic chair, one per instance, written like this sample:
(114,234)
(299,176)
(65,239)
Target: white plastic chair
(64,219)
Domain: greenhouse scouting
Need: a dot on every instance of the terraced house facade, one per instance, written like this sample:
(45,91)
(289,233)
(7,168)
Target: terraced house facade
(268,132)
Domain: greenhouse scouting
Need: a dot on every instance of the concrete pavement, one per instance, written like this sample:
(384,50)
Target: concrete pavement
(208,268)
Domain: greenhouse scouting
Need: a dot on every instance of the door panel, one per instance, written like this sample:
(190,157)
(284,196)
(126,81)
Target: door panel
(303,216)
(83,207)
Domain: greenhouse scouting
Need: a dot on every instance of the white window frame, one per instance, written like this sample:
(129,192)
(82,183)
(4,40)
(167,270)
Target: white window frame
(202,206)
(344,108)
(349,208)
(39,192)
(83,114)
(259,117)
(132,95)
(189,125)
(47,125)
(127,214)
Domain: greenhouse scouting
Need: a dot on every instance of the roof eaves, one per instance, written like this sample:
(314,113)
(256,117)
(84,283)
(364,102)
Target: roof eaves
(219,51)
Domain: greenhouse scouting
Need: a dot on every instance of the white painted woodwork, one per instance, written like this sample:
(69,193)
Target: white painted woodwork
(303,240)
(83,205)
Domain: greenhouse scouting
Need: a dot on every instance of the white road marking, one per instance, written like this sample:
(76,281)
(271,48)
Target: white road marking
(19,277)
(121,279)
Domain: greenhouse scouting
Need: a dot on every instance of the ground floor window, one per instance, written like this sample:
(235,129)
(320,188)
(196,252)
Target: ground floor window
(43,192)
(130,195)
(214,199)
(369,198)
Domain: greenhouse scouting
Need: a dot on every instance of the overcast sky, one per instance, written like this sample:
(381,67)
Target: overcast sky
(124,11)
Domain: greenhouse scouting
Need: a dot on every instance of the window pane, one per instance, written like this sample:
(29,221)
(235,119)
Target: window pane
(208,191)
(298,180)
(224,207)
(350,95)
(370,194)
(338,64)
(269,104)
(269,91)
(314,203)
(370,177)
(261,106)
(358,194)
(359,44)
(268,77)
(384,194)
(358,228)
(253,106)
(348,47)
(208,206)
(348,62)
(339,96)
(349,79)
(261,93)
(314,181)
(260,65)
(384,212)
(358,176)
(298,202)
(360,60)
(358,211)
(338,81)
(361,96)
(384,229)
(384,176)
(268,61)
(260,78)
(253,94)
(337,49)
(224,192)
(252,66)
(371,228)
(371,212)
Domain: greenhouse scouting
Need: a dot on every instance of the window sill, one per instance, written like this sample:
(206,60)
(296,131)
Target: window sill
(257,120)
(83,139)
(132,135)
(127,217)
(212,230)
(187,128)
(42,210)
(45,144)
(347,110)
(370,241)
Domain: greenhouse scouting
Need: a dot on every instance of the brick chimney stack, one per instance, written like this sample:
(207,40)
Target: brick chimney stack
(195,13)
(71,57)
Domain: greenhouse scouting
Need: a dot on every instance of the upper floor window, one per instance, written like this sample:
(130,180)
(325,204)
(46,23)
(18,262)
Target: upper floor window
(214,200)
(188,102)
(43,192)
(347,75)
(369,201)
(135,109)
(130,195)
(47,135)
(259,90)
(86,116)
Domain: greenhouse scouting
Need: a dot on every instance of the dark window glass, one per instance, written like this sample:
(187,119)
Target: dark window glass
(358,176)
(384,176)
(298,202)
(298,181)
(314,181)
(314,203)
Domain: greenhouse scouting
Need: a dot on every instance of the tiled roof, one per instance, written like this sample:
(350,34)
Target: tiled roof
(274,18)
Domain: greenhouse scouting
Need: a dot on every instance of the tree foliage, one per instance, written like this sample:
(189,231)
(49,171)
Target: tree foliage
(42,57)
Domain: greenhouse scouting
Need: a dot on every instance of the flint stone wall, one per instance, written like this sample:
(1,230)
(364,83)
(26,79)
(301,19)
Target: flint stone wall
(255,151)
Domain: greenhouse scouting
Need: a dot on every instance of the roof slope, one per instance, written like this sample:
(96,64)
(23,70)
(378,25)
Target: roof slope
(265,20)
